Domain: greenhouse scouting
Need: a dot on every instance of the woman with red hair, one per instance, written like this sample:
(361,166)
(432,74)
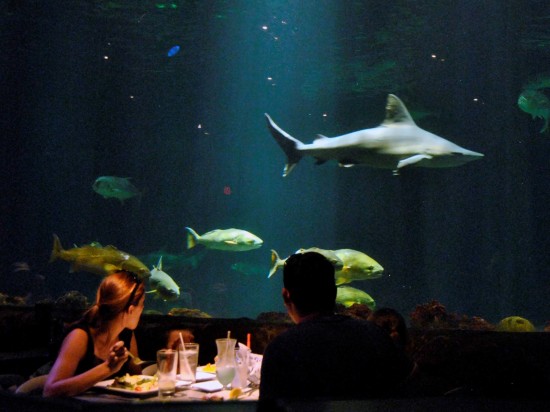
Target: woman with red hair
(96,348)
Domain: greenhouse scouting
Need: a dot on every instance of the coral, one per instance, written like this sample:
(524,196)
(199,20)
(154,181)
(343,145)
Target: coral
(190,313)
(515,324)
(432,315)
(475,323)
(73,300)
(12,300)
(357,310)
(277,317)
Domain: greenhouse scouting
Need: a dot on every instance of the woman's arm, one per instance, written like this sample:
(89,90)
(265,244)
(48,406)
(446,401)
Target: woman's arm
(133,369)
(62,380)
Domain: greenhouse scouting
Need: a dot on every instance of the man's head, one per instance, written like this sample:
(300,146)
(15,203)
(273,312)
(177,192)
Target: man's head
(308,280)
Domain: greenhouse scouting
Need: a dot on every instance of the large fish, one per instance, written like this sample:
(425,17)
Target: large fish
(348,296)
(277,262)
(235,240)
(357,266)
(100,260)
(536,104)
(117,187)
(397,143)
(162,284)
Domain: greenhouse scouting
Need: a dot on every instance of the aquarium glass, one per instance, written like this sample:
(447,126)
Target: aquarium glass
(126,122)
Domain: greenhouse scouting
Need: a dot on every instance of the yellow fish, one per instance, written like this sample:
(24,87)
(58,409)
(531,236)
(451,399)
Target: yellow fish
(100,260)
(357,266)
(277,262)
(348,296)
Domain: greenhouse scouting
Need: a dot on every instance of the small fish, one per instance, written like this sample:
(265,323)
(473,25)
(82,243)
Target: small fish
(249,269)
(97,259)
(235,240)
(348,296)
(162,284)
(117,187)
(357,266)
(173,51)
(277,262)
(536,104)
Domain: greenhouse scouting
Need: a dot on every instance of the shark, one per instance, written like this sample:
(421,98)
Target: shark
(395,144)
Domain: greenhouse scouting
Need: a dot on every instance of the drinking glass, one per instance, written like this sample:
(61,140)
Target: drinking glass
(189,359)
(166,369)
(225,361)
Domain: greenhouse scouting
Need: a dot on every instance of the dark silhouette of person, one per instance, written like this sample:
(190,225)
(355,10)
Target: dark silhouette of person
(325,355)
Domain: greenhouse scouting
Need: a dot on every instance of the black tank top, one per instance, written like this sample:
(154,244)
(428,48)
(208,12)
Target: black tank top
(90,360)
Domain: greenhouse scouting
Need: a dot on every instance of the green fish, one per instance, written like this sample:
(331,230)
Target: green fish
(348,296)
(117,187)
(249,269)
(162,284)
(536,104)
(357,266)
(101,260)
(234,240)
(277,262)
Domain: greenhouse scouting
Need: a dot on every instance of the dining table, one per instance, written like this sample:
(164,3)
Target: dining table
(181,395)
(207,388)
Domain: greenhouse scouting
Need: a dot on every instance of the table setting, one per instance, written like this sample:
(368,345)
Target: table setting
(176,377)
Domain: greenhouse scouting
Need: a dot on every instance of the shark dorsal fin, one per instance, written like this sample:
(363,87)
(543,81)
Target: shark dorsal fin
(396,112)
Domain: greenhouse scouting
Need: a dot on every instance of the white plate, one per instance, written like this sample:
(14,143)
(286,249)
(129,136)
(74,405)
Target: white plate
(106,385)
(209,386)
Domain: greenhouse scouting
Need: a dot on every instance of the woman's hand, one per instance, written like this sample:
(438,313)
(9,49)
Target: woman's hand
(118,355)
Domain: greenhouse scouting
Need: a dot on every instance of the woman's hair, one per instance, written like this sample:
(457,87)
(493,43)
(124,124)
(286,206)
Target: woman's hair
(115,294)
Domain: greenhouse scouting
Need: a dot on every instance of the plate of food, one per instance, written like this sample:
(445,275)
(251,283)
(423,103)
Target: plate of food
(132,385)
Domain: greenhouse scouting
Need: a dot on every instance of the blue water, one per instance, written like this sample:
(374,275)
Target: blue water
(87,90)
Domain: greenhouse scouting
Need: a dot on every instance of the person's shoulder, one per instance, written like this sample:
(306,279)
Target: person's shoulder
(78,333)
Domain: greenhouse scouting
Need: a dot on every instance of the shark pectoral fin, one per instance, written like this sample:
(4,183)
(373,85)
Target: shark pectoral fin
(288,168)
(230,242)
(412,160)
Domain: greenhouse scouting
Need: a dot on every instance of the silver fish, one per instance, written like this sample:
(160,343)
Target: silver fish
(235,240)
(162,284)
(117,187)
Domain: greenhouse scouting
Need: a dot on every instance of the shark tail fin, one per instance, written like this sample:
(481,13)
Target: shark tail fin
(288,143)
(56,249)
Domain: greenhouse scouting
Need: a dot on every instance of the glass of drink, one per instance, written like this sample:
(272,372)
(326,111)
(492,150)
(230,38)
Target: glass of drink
(189,359)
(166,369)
(225,361)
